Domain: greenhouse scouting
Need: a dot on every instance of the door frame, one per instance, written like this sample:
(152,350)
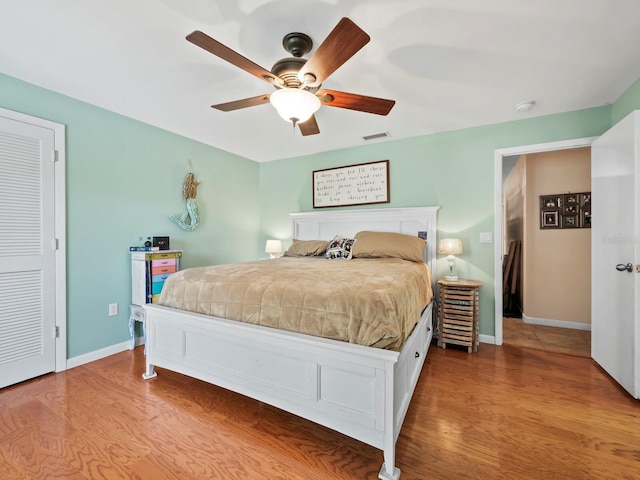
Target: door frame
(59,227)
(499,211)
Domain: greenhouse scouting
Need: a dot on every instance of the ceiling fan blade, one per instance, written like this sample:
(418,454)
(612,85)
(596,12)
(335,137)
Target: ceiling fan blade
(310,127)
(339,46)
(204,41)
(244,103)
(353,101)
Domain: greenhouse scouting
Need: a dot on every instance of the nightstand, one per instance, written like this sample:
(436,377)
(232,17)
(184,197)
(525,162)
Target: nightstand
(149,270)
(458,313)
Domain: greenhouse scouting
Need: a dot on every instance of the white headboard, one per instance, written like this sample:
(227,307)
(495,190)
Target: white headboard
(326,224)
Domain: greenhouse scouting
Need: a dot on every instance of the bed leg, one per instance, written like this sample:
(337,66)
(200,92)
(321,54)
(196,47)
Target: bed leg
(132,333)
(150,373)
(386,475)
(389,471)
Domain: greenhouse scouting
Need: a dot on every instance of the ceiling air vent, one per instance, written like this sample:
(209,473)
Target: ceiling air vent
(376,135)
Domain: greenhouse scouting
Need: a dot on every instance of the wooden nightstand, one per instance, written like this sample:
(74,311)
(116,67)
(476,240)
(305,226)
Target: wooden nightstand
(458,313)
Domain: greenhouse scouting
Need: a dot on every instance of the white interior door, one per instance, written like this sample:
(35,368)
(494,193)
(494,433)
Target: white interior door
(27,255)
(615,237)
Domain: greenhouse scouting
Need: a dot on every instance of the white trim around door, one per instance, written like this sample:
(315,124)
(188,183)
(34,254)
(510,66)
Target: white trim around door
(498,210)
(59,242)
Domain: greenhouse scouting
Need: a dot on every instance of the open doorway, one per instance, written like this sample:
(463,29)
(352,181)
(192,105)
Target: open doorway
(547,246)
(504,157)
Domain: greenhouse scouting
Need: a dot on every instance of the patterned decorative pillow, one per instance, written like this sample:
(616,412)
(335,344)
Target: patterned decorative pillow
(340,247)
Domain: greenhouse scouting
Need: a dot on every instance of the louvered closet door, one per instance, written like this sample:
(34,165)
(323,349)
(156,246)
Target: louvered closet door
(27,258)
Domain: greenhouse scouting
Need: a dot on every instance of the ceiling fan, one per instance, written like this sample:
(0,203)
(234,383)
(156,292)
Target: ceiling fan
(298,80)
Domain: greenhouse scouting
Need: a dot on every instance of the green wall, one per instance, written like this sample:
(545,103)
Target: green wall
(124,178)
(627,103)
(454,170)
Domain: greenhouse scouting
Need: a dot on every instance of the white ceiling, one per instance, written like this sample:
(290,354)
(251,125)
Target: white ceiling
(449,64)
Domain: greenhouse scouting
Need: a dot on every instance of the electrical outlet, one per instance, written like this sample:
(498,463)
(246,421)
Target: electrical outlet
(113,309)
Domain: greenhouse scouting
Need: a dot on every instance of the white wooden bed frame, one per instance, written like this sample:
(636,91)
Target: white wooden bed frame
(362,392)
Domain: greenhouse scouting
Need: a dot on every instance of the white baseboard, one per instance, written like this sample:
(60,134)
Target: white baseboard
(556,323)
(490,339)
(102,353)
(487,339)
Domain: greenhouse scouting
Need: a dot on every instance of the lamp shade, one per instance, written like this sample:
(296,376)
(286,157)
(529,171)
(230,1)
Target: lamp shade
(273,246)
(450,246)
(295,105)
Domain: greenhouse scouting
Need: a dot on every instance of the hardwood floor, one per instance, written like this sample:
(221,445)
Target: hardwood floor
(502,413)
(551,339)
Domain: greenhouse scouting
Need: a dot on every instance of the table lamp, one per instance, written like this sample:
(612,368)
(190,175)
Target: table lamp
(450,247)
(273,248)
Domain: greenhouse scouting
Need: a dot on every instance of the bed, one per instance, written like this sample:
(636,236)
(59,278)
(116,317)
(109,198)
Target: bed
(361,391)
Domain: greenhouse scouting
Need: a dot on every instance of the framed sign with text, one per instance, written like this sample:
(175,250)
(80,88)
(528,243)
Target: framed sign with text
(361,184)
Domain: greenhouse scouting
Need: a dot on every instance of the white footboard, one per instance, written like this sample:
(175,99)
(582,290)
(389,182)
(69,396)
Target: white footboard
(362,392)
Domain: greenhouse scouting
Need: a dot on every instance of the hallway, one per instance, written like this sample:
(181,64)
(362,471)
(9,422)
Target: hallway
(550,339)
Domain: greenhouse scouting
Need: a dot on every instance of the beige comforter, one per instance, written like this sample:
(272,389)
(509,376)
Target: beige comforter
(373,302)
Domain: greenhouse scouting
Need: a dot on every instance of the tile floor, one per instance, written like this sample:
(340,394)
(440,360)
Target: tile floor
(551,339)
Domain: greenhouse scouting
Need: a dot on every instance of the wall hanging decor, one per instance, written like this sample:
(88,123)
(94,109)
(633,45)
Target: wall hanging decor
(360,184)
(565,210)
(189,220)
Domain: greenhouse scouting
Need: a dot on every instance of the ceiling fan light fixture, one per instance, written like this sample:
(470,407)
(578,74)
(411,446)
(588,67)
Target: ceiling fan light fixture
(294,105)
